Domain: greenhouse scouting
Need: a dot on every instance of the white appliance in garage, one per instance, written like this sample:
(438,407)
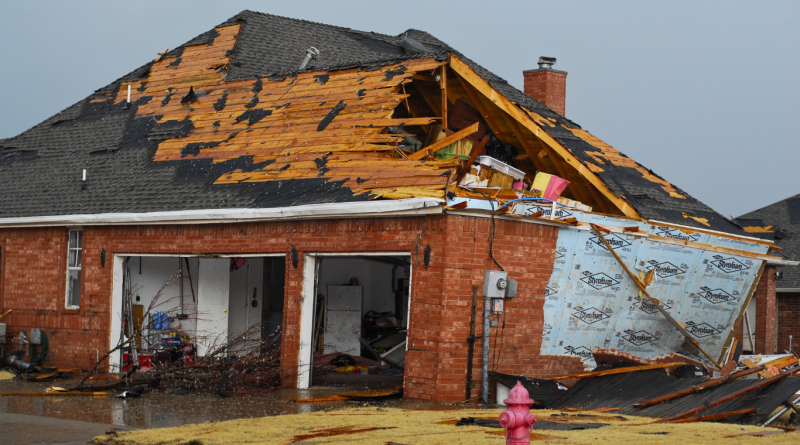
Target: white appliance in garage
(343,320)
(213,287)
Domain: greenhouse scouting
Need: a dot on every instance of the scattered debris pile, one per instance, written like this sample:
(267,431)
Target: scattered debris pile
(229,369)
(543,392)
(750,394)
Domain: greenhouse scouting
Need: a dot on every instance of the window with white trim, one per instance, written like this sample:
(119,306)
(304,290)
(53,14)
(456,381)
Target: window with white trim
(74,254)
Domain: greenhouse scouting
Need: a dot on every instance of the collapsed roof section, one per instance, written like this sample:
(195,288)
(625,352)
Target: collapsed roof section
(228,120)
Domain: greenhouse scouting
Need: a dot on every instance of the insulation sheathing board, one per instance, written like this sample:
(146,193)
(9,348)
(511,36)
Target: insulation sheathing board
(590,301)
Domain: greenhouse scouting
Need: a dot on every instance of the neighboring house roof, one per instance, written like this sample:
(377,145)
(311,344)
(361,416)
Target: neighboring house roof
(779,222)
(227,121)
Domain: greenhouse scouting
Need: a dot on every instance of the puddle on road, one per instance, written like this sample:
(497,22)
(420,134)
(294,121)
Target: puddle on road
(157,409)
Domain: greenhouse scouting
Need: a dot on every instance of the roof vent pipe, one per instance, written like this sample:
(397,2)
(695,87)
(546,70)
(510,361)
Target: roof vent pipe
(312,53)
(546,63)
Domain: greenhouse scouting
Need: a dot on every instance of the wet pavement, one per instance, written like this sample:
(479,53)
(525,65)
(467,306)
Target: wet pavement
(158,409)
(22,429)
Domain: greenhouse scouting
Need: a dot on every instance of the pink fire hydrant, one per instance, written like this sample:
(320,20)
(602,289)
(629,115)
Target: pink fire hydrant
(517,419)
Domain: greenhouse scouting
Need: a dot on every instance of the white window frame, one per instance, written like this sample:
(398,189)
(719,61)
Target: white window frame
(67,304)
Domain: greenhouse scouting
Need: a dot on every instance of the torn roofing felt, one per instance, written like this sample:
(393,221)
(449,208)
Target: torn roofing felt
(213,121)
(779,222)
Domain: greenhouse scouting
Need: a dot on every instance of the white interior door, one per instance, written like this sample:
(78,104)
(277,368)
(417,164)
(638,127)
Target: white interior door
(243,314)
(213,295)
(237,301)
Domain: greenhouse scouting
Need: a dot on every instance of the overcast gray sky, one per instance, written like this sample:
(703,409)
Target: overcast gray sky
(706,94)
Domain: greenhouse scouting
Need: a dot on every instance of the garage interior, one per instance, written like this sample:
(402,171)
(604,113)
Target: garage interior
(360,321)
(178,308)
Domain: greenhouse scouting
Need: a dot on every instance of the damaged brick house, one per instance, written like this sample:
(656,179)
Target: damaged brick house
(307,177)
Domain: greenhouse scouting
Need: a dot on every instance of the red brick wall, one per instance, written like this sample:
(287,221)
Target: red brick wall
(766,313)
(788,320)
(548,87)
(34,275)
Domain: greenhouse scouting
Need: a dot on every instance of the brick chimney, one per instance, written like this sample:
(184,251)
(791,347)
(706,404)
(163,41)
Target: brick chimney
(547,85)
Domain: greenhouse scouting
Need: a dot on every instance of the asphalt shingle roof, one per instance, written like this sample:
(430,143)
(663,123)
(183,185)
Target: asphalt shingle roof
(780,222)
(41,168)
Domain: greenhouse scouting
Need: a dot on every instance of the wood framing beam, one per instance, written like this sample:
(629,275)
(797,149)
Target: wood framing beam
(701,386)
(476,100)
(473,155)
(619,371)
(521,117)
(715,417)
(444,95)
(430,149)
(527,145)
(734,395)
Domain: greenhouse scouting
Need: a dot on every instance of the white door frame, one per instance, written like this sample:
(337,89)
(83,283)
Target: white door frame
(308,302)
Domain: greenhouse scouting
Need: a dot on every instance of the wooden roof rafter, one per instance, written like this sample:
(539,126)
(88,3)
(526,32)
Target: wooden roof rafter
(473,79)
(579,188)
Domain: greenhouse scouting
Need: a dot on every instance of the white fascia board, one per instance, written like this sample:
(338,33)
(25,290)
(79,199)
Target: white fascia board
(776,261)
(361,209)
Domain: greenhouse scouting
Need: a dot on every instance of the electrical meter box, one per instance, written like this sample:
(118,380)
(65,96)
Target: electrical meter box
(494,283)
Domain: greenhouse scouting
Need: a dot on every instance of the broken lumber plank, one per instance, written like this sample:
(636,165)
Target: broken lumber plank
(737,375)
(473,155)
(643,288)
(713,417)
(6,313)
(763,370)
(618,371)
(455,137)
(696,388)
(780,363)
(734,395)
(421,154)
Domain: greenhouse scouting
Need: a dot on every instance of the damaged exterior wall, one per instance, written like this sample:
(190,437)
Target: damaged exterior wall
(34,272)
(702,280)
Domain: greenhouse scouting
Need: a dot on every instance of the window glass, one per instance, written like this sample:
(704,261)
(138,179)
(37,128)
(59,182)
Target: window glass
(74,253)
(74,288)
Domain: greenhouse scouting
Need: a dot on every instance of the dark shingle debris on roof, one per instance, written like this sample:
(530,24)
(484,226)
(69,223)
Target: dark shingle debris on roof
(103,137)
(288,39)
(780,222)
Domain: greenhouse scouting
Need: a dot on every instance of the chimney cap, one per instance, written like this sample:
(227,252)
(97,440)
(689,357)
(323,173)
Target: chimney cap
(545,63)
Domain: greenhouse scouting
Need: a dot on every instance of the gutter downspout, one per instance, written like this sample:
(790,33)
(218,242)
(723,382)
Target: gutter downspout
(471,341)
(487,309)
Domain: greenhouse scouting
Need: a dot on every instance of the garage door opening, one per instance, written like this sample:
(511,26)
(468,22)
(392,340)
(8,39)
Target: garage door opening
(360,321)
(176,308)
